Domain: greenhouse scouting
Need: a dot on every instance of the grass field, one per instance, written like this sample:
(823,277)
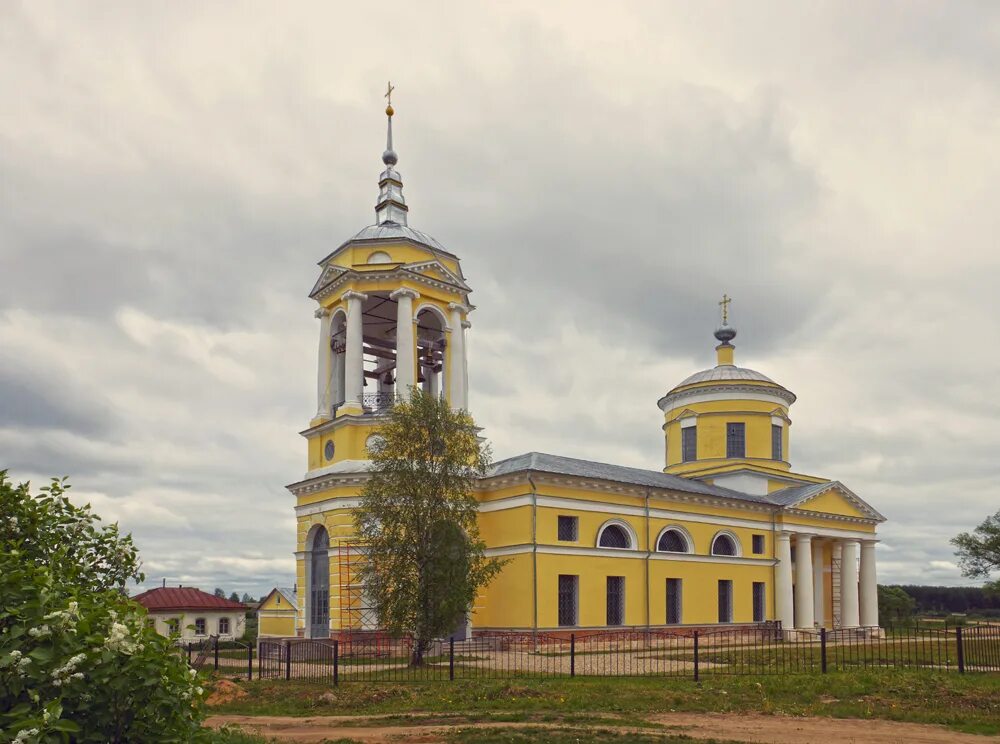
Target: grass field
(968,703)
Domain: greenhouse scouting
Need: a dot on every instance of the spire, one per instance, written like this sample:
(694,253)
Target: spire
(725,333)
(391,206)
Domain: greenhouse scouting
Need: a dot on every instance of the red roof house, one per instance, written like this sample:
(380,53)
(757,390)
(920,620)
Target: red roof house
(190,614)
(181,598)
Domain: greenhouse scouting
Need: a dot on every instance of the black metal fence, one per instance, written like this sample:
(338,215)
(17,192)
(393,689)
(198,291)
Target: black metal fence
(757,650)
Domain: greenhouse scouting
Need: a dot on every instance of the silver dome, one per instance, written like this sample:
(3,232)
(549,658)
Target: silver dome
(726,372)
(393,230)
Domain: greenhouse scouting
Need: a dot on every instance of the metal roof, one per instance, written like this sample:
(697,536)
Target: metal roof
(171,598)
(395,231)
(726,372)
(794,494)
(543,463)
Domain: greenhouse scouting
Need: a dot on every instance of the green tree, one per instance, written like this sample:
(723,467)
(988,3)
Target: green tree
(220,593)
(234,597)
(247,599)
(979,551)
(417,519)
(895,605)
(77,659)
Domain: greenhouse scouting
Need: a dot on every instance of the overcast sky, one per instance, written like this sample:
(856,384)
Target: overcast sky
(170,173)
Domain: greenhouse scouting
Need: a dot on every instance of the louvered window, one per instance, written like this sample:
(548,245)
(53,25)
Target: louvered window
(776,431)
(689,443)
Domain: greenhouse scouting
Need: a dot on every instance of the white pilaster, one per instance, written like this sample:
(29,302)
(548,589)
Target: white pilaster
(849,585)
(803,582)
(325,364)
(354,362)
(868,588)
(466,325)
(406,361)
(783,609)
(819,585)
(456,357)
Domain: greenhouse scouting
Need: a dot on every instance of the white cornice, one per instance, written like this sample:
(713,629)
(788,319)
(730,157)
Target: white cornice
(399,273)
(624,554)
(726,391)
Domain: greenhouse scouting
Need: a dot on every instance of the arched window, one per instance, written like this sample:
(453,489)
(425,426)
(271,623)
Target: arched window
(223,626)
(672,540)
(614,535)
(725,544)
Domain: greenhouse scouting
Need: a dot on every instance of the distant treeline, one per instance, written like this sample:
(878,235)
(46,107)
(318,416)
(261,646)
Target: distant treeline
(966,599)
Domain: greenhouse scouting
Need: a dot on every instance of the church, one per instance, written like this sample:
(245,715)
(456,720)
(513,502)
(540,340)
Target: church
(726,534)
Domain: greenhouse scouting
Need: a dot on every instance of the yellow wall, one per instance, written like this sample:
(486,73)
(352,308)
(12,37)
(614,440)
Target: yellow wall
(271,625)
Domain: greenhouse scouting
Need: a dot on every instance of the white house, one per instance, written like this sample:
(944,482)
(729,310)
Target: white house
(193,614)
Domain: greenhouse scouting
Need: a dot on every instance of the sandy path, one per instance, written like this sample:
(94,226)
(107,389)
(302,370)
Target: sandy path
(741,727)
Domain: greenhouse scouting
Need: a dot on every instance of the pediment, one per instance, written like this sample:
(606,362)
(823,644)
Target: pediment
(330,273)
(437,271)
(836,499)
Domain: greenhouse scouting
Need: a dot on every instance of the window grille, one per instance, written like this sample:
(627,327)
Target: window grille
(223,626)
(674,601)
(689,444)
(759,602)
(616,600)
(758,545)
(569,528)
(199,626)
(725,601)
(615,536)
(672,541)
(568,591)
(736,441)
(776,433)
(723,545)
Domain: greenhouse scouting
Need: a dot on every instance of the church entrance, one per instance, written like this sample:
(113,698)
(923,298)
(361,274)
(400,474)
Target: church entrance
(319,589)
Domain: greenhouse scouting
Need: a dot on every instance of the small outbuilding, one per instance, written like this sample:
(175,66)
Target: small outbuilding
(193,614)
(277,613)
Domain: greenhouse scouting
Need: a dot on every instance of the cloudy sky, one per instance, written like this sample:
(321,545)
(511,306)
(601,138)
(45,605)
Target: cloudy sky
(171,172)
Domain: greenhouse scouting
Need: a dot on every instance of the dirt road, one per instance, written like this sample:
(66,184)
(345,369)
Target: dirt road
(742,727)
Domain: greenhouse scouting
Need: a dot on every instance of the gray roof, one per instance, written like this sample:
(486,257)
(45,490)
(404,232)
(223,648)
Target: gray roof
(393,230)
(726,372)
(794,494)
(543,463)
(288,592)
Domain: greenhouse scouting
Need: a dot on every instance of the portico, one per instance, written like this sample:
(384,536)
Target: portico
(804,600)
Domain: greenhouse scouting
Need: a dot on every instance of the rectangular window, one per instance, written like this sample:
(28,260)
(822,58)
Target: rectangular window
(674,601)
(776,430)
(725,601)
(568,599)
(759,602)
(758,545)
(689,444)
(616,600)
(736,440)
(199,626)
(173,626)
(569,528)
(223,626)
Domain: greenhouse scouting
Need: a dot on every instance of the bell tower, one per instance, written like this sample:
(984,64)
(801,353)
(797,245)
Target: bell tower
(393,307)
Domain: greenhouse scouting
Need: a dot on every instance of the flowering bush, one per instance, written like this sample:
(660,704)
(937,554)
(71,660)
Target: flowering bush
(77,660)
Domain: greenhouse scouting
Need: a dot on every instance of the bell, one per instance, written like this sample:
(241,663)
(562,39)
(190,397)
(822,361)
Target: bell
(387,378)
(420,375)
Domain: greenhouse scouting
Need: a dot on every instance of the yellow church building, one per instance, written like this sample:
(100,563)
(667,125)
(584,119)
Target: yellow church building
(727,533)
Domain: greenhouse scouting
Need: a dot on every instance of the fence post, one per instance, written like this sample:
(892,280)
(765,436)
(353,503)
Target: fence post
(288,659)
(189,652)
(336,662)
(696,656)
(249,661)
(451,658)
(822,649)
(572,654)
(961,649)
(216,653)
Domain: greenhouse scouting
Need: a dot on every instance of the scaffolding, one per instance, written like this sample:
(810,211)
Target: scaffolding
(358,618)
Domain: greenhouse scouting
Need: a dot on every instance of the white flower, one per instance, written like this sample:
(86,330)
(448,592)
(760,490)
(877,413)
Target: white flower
(15,654)
(24,735)
(192,673)
(39,632)
(199,690)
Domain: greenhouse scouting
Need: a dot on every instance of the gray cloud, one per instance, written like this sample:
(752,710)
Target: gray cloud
(169,177)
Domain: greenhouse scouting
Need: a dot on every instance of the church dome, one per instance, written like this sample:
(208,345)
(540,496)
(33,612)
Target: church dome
(395,231)
(725,372)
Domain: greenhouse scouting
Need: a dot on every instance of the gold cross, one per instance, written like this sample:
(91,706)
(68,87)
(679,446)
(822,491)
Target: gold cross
(388,92)
(725,308)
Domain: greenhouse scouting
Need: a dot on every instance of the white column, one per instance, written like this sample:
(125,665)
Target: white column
(406,362)
(803,582)
(849,585)
(819,585)
(868,589)
(466,325)
(456,357)
(325,364)
(354,362)
(783,609)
